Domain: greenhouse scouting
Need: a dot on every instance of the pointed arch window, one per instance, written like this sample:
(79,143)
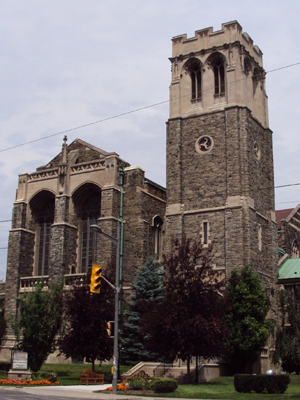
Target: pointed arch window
(217,63)
(157,236)
(295,249)
(44,221)
(89,215)
(195,73)
(219,76)
(193,68)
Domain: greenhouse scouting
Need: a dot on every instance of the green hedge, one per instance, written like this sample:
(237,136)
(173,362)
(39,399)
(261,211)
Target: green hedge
(261,383)
(165,385)
(139,383)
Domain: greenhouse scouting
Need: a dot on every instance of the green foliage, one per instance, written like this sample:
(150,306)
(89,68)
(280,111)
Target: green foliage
(84,334)
(188,322)
(50,376)
(146,288)
(246,307)
(287,337)
(261,383)
(165,385)
(38,321)
(139,383)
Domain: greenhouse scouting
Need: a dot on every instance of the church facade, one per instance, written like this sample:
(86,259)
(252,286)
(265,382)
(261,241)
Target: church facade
(55,206)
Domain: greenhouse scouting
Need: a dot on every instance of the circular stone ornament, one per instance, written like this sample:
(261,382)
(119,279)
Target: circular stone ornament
(204,144)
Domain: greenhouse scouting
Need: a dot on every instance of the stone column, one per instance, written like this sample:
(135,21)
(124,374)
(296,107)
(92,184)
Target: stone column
(63,240)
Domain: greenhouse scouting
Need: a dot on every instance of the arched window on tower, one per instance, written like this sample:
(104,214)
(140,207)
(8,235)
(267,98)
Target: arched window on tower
(157,236)
(217,63)
(44,220)
(193,68)
(90,212)
(256,79)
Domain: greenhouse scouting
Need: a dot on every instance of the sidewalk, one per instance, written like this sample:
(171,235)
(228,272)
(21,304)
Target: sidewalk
(79,392)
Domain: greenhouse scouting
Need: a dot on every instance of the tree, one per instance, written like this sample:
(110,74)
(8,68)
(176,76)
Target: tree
(188,322)
(146,288)
(38,322)
(84,334)
(287,337)
(2,321)
(245,314)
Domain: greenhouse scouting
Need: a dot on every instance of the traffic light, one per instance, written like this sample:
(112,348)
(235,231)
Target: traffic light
(96,279)
(110,325)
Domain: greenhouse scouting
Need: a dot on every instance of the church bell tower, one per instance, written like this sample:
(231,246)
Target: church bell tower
(220,180)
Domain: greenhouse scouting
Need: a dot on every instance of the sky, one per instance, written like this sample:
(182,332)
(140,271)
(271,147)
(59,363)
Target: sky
(69,63)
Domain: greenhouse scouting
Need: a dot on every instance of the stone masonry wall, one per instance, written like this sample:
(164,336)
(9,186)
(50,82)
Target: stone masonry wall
(230,187)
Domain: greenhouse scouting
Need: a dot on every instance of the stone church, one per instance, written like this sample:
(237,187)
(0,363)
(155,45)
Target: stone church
(55,207)
(220,180)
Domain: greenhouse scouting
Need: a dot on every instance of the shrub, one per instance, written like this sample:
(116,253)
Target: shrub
(165,385)
(136,383)
(139,383)
(261,383)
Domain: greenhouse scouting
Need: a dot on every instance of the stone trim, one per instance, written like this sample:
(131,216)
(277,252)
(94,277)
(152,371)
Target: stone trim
(43,174)
(295,227)
(62,195)
(109,187)
(138,189)
(295,210)
(22,229)
(108,218)
(20,201)
(64,224)
(264,274)
(262,216)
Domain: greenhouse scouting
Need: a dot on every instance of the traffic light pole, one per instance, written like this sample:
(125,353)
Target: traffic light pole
(116,331)
(117,290)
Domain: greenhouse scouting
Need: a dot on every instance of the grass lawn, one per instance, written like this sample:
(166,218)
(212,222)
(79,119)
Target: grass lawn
(222,388)
(68,374)
(219,388)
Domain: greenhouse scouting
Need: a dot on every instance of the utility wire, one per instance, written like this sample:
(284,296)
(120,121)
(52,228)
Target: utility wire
(127,113)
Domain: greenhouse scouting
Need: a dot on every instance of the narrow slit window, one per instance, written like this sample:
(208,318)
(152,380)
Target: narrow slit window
(205,233)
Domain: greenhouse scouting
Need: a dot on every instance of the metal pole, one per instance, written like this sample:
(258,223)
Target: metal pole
(116,331)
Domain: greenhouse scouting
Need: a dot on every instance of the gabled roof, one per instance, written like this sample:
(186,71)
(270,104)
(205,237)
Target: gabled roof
(289,272)
(282,214)
(79,151)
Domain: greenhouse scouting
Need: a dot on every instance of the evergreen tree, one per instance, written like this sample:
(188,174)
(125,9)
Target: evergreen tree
(245,312)
(287,338)
(146,288)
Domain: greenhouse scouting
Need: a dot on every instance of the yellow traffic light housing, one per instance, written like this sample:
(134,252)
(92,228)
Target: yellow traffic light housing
(96,279)
(110,328)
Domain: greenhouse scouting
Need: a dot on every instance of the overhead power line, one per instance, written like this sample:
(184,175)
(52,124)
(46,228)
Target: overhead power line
(125,113)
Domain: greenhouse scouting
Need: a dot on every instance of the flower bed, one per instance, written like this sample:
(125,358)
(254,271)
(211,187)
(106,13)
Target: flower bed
(27,382)
(121,386)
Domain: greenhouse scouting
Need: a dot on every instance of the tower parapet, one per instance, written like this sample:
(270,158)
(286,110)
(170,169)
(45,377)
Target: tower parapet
(216,69)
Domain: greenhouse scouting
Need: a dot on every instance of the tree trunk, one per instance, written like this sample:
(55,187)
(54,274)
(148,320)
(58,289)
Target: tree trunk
(93,365)
(188,370)
(196,372)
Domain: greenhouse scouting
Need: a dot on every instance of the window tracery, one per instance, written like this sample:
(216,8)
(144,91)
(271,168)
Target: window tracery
(90,212)
(157,236)
(193,68)
(44,221)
